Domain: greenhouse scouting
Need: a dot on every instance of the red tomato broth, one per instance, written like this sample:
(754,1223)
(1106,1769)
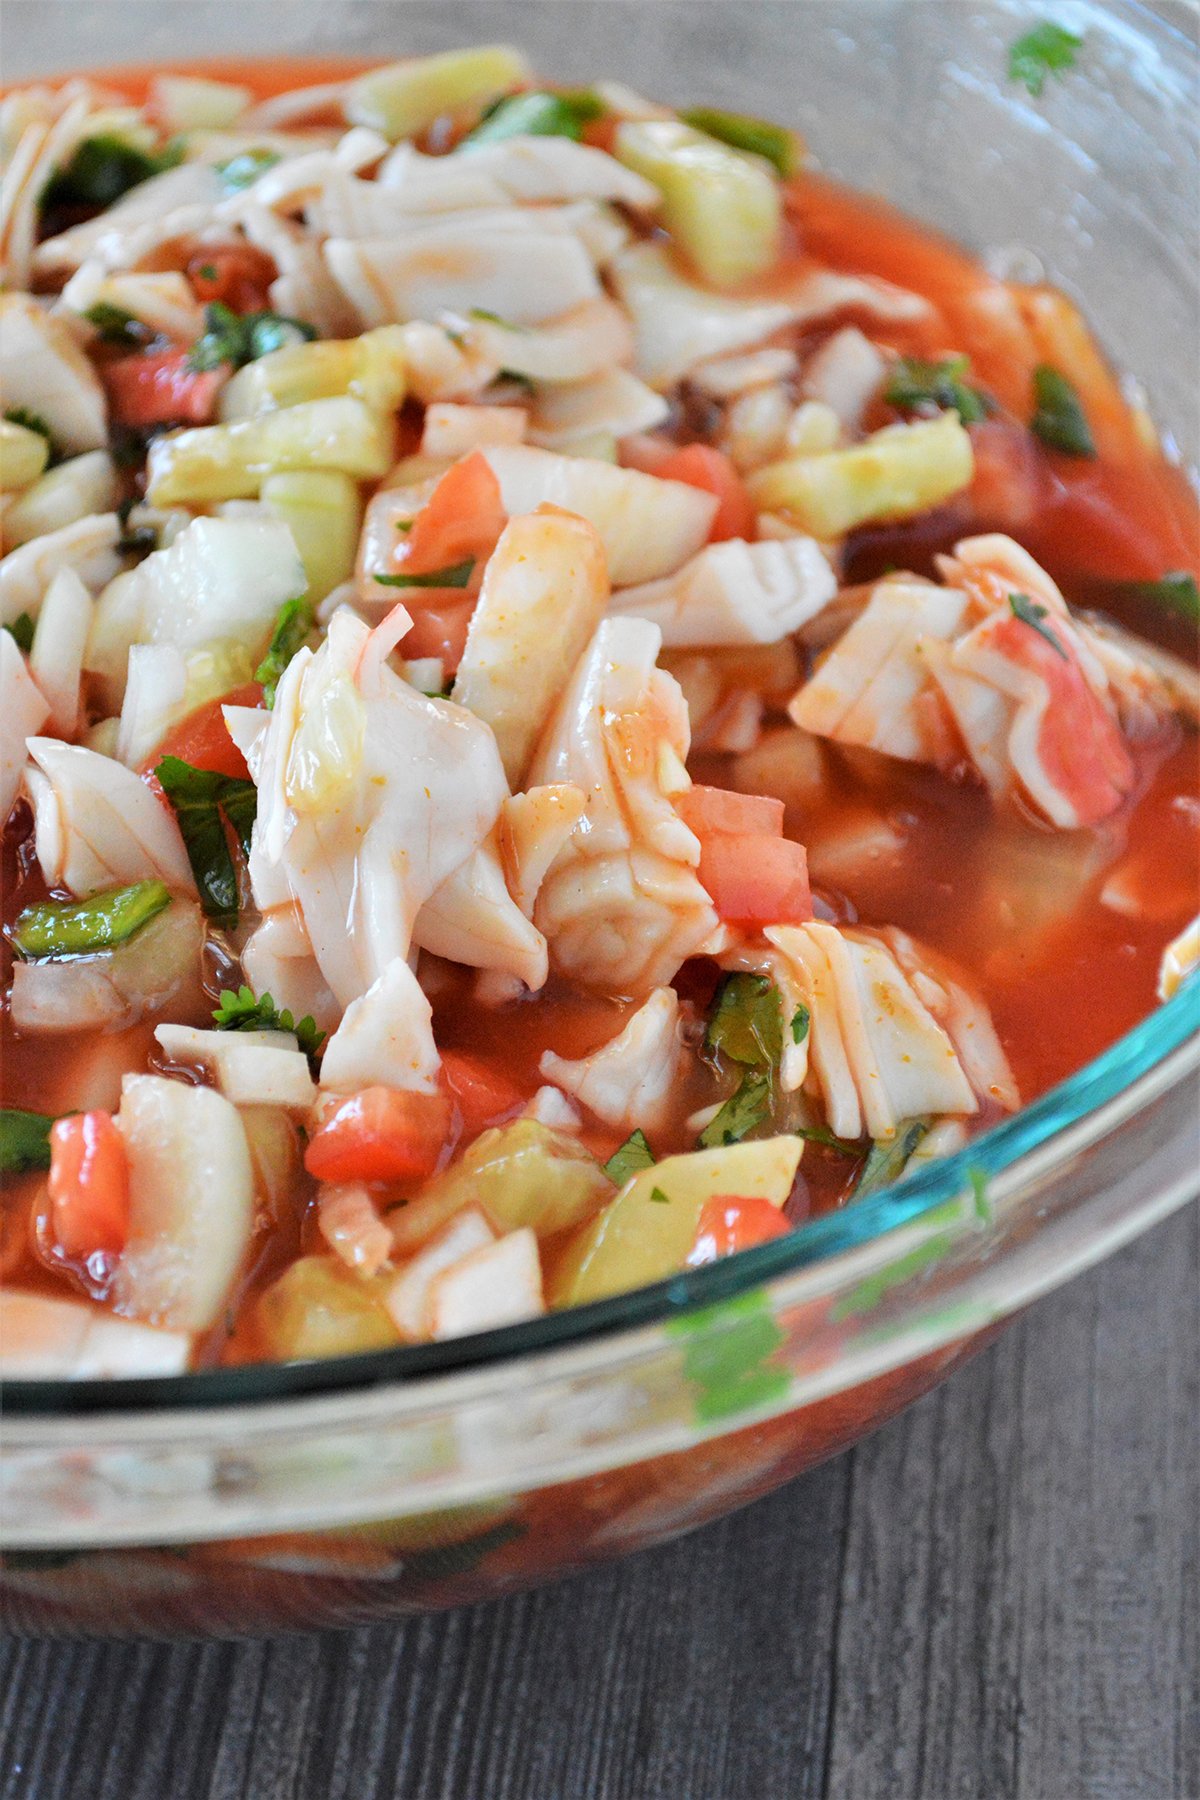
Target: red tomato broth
(1059,993)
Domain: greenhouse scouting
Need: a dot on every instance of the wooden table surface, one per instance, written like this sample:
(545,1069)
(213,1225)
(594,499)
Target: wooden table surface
(996,1596)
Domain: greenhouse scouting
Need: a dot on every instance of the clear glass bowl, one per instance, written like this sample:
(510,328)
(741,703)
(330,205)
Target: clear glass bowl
(253,1498)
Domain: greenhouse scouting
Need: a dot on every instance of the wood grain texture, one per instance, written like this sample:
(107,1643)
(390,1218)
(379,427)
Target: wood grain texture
(992,1599)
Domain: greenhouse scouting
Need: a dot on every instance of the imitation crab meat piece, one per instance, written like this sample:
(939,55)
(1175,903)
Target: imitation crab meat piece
(375,803)
(736,593)
(556,168)
(498,1284)
(622,906)
(867,689)
(613,404)
(173,204)
(452,430)
(875,1054)
(418,184)
(992,664)
(534,827)
(89,548)
(278,960)
(43,371)
(544,592)
(385,1038)
(407,1299)
(23,711)
(191,1192)
(98,825)
(303,287)
(252,1068)
(350,1224)
(678,323)
(41,132)
(56,659)
(627,1082)
(464,263)
(299,181)
(585,342)
(648,526)
(962,1013)
(845,374)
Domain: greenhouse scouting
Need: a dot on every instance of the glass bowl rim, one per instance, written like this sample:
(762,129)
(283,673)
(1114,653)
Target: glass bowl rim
(1082,1097)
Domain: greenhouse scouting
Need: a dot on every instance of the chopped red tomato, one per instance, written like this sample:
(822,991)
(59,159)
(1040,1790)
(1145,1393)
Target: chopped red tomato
(753,874)
(238,275)
(203,739)
(709,809)
(89,1185)
(482,1094)
(158,388)
(1079,744)
(754,879)
(1125,524)
(1010,478)
(462,518)
(439,631)
(380,1134)
(728,1223)
(700,466)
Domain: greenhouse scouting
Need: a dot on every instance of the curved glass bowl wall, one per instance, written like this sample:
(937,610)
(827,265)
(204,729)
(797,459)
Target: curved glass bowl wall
(252,1498)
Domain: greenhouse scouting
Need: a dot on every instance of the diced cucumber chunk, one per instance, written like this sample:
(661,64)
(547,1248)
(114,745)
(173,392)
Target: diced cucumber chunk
(723,208)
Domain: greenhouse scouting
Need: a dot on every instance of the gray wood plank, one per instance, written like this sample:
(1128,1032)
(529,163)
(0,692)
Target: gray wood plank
(1015,1617)
(1019,1594)
(701,1669)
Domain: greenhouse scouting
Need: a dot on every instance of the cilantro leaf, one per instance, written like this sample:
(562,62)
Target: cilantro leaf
(1031,613)
(116,326)
(744,1023)
(293,623)
(22,628)
(456,575)
(240,338)
(887,1158)
(1178,592)
(1048,49)
(1058,418)
(203,802)
(629,1159)
(659,1198)
(244,1012)
(239,171)
(915,386)
(101,169)
(801,1020)
(744,1111)
(24,1141)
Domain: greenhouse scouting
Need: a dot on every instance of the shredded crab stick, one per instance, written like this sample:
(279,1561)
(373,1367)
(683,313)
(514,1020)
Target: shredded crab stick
(552,661)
